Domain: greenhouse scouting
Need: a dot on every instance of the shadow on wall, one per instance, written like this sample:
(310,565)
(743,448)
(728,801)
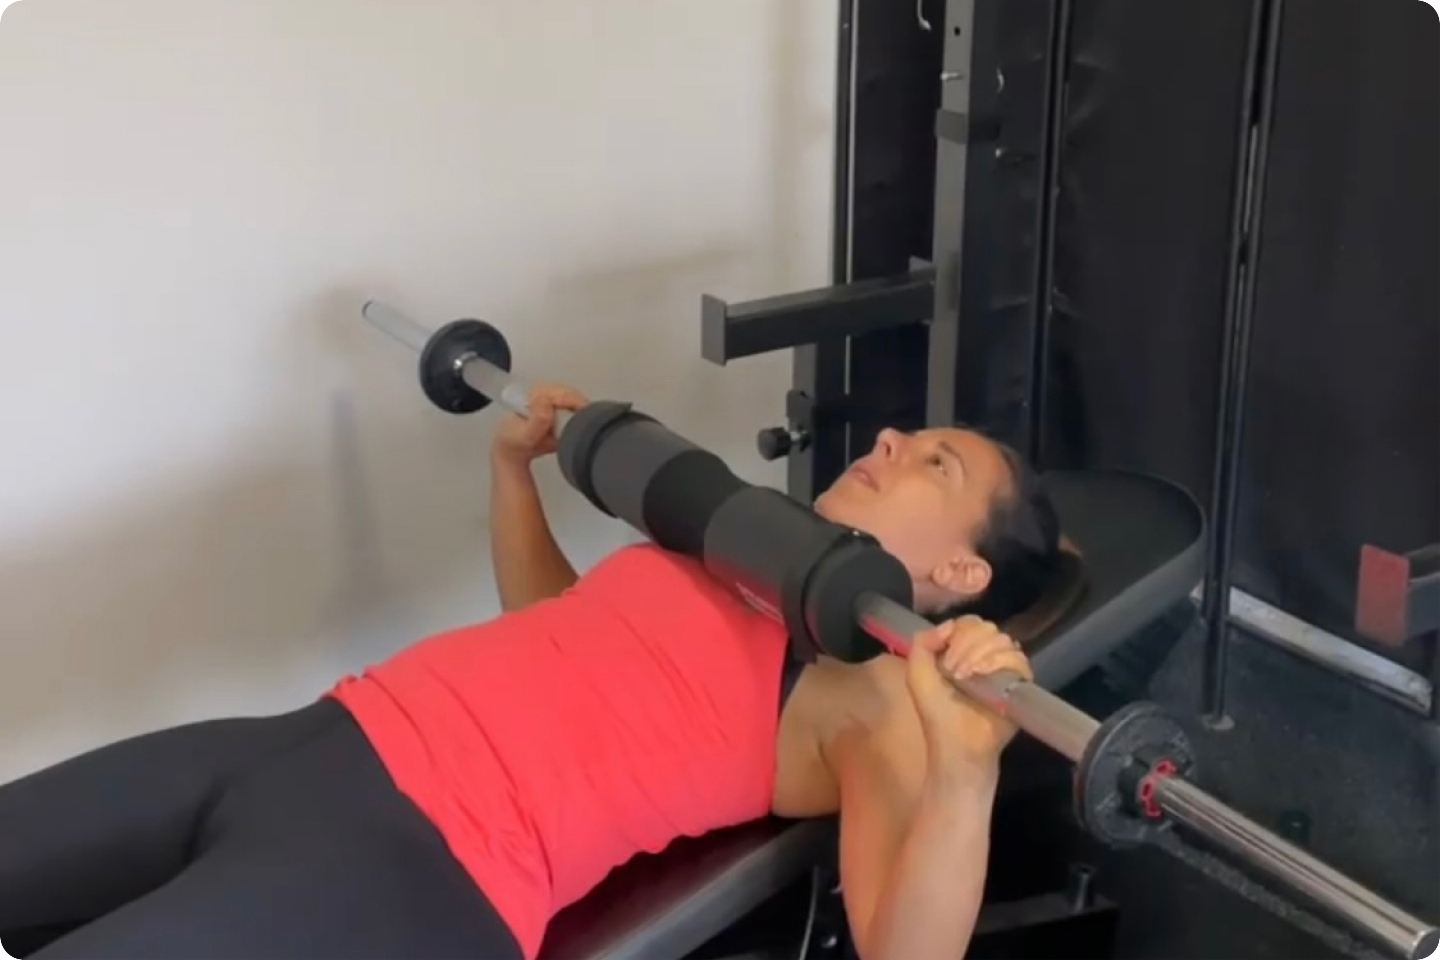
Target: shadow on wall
(366,529)
(645,323)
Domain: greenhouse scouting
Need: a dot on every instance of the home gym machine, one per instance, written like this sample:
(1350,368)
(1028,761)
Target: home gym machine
(1107,231)
(838,593)
(1127,235)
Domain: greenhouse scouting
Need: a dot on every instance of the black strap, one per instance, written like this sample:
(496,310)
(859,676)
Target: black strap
(789,675)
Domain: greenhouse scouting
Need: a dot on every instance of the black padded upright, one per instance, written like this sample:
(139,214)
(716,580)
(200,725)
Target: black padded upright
(1143,545)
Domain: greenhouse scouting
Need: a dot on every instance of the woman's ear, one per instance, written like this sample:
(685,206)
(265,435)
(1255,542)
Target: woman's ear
(966,576)
(975,575)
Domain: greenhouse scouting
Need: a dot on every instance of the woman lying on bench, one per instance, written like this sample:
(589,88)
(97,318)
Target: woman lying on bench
(449,801)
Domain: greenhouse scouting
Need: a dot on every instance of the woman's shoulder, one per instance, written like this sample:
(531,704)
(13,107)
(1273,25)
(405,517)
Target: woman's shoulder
(641,565)
(840,715)
(649,575)
(840,701)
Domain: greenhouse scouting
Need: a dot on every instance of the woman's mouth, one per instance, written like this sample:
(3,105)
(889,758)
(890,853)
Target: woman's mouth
(863,476)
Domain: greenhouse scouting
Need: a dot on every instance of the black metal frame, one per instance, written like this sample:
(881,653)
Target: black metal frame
(1256,118)
(920,155)
(730,331)
(903,335)
(953,146)
(819,368)
(881,71)
(1074,922)
(1057,71)
(897,64)
(860,346)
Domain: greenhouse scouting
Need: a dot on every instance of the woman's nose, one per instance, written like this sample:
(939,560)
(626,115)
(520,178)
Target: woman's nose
(887,443)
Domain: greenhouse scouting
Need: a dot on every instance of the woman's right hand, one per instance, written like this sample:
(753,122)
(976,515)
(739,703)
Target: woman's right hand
(521,440)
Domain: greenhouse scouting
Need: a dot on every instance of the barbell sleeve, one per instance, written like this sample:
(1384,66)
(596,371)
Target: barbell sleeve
(1068,731)
(482,376)
(489,380)
(1382,922)
(395,325)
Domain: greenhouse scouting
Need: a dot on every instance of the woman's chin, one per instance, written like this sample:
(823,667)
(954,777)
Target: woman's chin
(834,506)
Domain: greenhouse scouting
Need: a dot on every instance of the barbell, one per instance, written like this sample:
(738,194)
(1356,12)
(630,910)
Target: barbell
(838,593)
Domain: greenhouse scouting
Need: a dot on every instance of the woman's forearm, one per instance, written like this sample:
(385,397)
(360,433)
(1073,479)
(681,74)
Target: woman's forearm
(529,564)
(932,896)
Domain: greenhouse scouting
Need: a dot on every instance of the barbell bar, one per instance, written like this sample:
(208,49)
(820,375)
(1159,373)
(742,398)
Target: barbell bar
(1130,770)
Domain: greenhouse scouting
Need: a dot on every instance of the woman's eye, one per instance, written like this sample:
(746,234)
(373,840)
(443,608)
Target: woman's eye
(937,462)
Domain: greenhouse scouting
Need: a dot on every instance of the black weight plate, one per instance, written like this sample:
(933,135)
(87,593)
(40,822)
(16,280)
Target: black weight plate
(1099,803)
(440,363)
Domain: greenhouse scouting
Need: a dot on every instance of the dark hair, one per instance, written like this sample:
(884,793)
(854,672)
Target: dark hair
(1021,542)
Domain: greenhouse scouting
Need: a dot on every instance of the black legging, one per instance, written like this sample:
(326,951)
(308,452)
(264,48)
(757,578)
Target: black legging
(255,838)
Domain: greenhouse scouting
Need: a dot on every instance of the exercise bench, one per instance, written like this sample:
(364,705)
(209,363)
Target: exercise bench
(1141,543)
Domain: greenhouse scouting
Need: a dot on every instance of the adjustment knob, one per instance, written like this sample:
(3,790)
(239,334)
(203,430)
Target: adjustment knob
(777,442)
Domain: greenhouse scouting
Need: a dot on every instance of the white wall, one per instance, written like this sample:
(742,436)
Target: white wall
(221,489)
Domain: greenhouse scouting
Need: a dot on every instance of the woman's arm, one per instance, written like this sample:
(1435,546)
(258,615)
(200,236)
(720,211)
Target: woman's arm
(914,846)
(916,794)
(529,564)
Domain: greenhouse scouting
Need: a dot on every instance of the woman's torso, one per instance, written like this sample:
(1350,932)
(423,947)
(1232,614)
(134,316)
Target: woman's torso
(552,744)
